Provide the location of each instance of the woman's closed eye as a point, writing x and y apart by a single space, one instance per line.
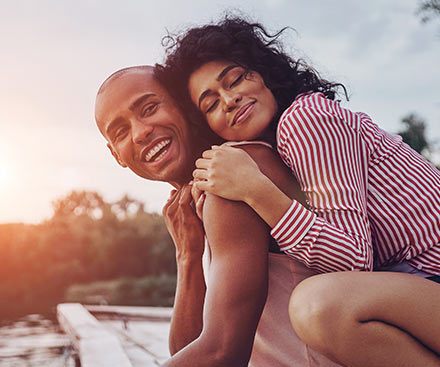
237 80
212 106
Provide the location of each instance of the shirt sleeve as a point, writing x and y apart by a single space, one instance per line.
330 160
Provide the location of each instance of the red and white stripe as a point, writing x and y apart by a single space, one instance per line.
365 188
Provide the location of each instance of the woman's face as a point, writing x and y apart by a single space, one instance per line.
235 102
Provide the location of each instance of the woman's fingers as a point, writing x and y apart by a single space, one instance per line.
200 174
202 185
208 154
202 163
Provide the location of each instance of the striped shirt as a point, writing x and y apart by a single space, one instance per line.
372 199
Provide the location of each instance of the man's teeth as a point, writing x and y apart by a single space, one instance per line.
161 154
154 150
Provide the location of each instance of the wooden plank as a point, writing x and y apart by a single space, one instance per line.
131 312
150 336
96 346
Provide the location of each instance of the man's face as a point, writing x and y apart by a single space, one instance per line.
144 128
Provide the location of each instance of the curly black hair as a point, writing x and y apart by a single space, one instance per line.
244 43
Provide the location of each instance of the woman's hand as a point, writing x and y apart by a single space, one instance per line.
227 172
185 228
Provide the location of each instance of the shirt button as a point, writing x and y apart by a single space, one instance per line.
420 267
408 256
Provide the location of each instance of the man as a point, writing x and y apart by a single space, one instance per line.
213 324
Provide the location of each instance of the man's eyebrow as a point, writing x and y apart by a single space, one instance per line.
219 78
112 125
141 100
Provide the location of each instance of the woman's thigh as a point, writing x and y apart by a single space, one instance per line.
324 303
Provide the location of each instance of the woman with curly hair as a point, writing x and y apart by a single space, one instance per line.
370 197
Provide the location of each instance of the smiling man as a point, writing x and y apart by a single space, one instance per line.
144 127
232 310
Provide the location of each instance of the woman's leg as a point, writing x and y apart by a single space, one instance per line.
369 319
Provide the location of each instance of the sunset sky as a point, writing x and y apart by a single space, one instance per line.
55 53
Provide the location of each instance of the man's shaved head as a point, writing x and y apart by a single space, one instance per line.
145 69
145 129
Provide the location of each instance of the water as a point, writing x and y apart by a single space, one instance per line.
35 341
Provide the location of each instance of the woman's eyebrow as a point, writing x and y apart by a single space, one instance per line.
203 95
225 71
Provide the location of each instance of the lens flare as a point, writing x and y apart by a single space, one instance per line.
4 176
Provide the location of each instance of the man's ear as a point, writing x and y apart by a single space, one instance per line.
116 156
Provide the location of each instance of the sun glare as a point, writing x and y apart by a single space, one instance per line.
4 176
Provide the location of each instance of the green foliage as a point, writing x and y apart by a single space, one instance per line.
428 9
414 133
145 291
86 240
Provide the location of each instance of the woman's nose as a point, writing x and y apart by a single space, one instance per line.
231 102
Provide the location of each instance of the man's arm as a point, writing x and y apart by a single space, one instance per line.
237 286
187 233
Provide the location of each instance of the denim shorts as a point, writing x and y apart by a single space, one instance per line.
435 278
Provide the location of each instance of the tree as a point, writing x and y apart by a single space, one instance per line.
87 240
414 133
428 9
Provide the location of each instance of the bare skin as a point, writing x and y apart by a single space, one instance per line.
369 319
348 340
230 296
233 303
213 325
214 174
327 311
188 234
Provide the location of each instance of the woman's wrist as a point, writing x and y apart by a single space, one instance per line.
258 188
268 201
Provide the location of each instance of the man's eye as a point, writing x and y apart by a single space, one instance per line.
212 106
237 80
149 109
121 132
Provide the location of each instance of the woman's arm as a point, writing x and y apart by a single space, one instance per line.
329 159
244 181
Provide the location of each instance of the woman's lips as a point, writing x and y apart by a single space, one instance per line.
243 113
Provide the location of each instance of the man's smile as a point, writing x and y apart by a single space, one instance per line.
156 151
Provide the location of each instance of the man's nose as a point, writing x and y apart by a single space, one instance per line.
140 131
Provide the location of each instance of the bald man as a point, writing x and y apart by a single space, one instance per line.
232 297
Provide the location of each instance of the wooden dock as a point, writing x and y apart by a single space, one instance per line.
119 336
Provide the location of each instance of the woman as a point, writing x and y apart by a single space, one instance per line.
241 81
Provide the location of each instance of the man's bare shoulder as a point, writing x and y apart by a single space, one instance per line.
229 224
273 167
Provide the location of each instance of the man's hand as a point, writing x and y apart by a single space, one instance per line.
188 236
183 224
199 197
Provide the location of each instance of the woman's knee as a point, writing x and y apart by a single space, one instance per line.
316 308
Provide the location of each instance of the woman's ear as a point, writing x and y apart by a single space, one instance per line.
116 156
